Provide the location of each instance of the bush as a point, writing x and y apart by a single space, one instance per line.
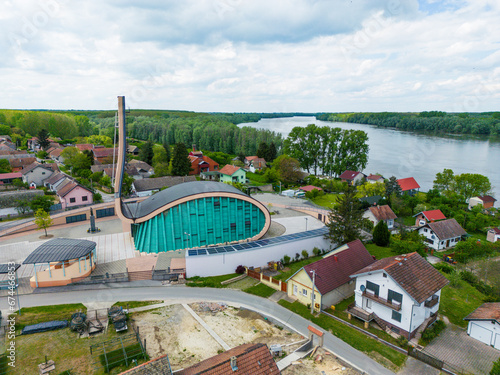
305 254
381 234
286 259
316 251
97 198
240 270
444 267
432 332
297 256
496 368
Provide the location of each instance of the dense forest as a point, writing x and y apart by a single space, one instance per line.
487 123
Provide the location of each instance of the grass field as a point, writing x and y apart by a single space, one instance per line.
209 282
327 200
260 290
133 304
379 252
294 267
34 315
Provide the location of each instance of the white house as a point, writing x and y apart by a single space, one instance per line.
380 213
37 173
400 293
493 235
352 177
442 234
484 324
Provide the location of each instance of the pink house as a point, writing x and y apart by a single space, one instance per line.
73 195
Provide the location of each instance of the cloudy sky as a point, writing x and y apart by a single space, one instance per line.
251 55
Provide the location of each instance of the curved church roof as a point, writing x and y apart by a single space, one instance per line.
167 196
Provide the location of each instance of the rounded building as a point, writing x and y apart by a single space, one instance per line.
195 214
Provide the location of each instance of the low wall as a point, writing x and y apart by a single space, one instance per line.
222 264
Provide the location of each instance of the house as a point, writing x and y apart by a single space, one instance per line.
103 155
84 146
37 173
201 163
110 169
18 164
231 173
248 159
493 235
484 324
400 293
332 280
257 164
442 234
408 185
307 188
8 178
487 201
55 155
352 177
74 195
428 217
143 168
380 213
148 186
246 359
54 180
133 150
210 176
373 178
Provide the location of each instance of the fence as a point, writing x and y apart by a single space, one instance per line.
426 358
268 280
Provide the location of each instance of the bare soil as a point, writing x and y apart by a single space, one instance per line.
323 363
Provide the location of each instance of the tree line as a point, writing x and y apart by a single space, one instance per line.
328 150
486 123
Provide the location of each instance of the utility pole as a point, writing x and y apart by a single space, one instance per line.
312 294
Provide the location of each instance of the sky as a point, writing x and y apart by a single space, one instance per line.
251 55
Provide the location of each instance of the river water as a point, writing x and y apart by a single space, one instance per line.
406 154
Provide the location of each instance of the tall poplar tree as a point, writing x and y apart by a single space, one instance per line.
345 219
181 166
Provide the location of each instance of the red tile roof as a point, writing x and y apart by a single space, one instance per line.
374 177
349 175
309 188
433 215
250 158
487 198
496 230
5 176
446 229
382 212
84 146
412 272
251 359
104 152
487 311
229 169
408 184
335 270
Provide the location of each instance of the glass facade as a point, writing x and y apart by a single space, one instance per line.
199 222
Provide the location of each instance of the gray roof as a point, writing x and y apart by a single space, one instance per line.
161 182
4 268
446 228
60 249
164 197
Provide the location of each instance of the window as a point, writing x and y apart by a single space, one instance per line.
394 297
43 172
304 292
85 198
75 218
425 230
384 274
373 287
396 316
428 240
72 200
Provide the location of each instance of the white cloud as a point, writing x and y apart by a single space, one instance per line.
235 55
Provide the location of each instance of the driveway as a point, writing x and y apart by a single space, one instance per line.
181 294
462 352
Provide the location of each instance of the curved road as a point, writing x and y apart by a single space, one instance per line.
181 294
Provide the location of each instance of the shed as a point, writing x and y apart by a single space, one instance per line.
484 324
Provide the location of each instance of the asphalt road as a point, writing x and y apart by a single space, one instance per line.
181 294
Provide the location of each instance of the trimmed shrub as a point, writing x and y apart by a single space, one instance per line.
381 234
432 332
444 267
240 270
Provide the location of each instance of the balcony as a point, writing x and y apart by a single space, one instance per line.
433 302
359 312
382 301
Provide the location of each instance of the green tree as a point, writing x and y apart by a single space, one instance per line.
97 198
127 185
181 166
5 129
42 154
496 368
99 140
444 180
369 189
263 150
272 153
146 154
162 169
43 139
22 206
68 155
168 152
43 220
411 242
5 166
106 181
160 155
392 187
43 202
288 168
381 234
469 185
345 219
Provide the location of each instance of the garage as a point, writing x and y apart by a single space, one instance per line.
497 341
480 333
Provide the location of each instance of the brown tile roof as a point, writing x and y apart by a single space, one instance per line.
446 229
412 272
382 212
9 151
84 146
487 311
54 178
34 165
374 177
69 187
310 188
140 164
61 185
251 359
20 163
408 184
104 152
495 230
229 169
56 152
487 198
160 182
335 270
250 158
349 175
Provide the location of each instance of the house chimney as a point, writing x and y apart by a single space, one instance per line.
335 257
194 147
234 366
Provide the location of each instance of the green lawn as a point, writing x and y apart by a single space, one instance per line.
260 290
388 357
134 304
409 220
378 251
457 303
40 314
210 282
294 267
326 200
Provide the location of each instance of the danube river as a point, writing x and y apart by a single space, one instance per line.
406 154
